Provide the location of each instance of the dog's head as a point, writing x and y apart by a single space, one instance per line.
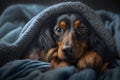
71 33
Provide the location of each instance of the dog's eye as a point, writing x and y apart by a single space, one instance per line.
59 31
61 28
82 29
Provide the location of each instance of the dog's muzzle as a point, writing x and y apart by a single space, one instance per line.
67 51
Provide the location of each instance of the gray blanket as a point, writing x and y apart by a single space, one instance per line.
19 25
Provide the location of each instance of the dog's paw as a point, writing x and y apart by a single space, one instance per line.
51 54
58 64
90 60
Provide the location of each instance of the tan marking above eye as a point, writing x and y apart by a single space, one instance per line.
63 24
76 23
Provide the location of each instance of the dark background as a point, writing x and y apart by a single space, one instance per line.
111 5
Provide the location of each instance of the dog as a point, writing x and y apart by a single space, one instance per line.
75 44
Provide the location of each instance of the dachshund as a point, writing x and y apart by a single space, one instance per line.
76 44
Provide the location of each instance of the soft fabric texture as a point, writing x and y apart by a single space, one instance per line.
16 34
12 23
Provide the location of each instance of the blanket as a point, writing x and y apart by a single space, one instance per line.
20 24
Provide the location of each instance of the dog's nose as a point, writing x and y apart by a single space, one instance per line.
67 50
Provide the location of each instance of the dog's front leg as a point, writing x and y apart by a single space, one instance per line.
58 64
90 60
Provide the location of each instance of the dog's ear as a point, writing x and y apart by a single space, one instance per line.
45 40
95 43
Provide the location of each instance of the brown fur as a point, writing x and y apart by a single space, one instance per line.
90 60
